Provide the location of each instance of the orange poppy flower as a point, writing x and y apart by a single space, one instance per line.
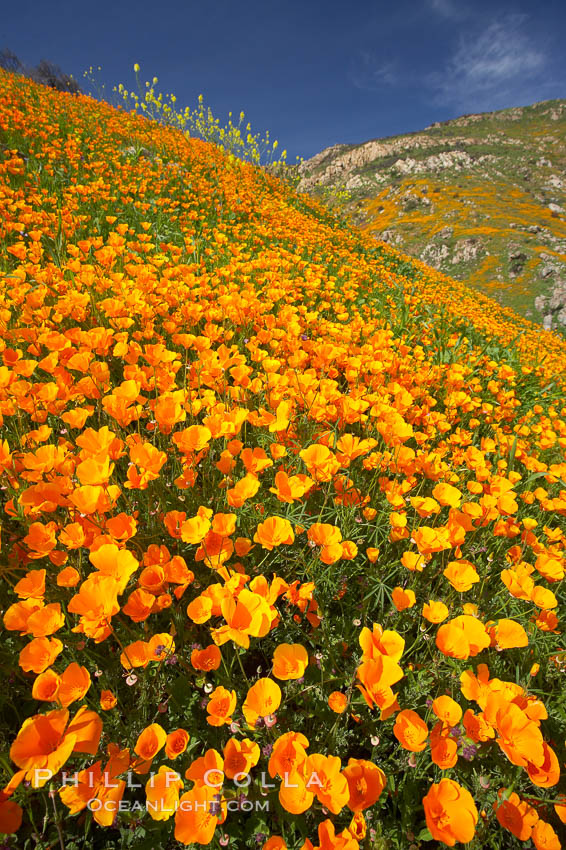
338 702
240 757
200 609
425 506
224 524
11 815
291 488
450 812
546 621
136 654
31 616
176 743
160 647
195 529
410 730
462 637
477 686
516 816
288 755
443 748
87 498
290 661
262 700
139 605
32 585
193 439
121 527
148 744
462 575
403 598
197 815
551 568
507 634
46 686
45 742
255 460
377 675
519 737
220 706
435 612
243 490
320 462
447 710
413 561
150 741
381 642
68 577
476 726
294 794
107 700
39 654
274 843
273 532
73 684
365 781
46 620
109 560
324 777
547 774
324 534
97 784
162 793
96 602
543 598
207 770
248 615
544 837
206 659
173 521
73 536
41 539
445 494
17 616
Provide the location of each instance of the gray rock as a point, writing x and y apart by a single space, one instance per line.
467 250
434 255
390 236
547 271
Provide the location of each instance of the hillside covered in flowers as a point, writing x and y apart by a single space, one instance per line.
282 515
480 197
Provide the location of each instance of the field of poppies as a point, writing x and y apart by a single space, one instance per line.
282 515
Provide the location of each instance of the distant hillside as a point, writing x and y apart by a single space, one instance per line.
482 198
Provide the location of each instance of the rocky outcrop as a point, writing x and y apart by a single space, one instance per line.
467 250
340 161
434 255
553 306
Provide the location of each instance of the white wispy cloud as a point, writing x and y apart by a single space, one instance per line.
369 73
454 10
487 69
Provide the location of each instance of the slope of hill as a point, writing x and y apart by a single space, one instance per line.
282 534
482 198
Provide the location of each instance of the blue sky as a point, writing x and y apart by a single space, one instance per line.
313 72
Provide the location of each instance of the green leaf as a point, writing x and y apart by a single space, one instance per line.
424 835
